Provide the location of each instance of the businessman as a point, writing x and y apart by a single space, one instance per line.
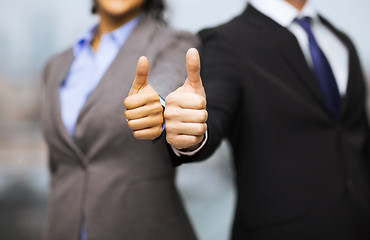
285 87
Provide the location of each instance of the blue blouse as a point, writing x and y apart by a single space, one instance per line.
88 68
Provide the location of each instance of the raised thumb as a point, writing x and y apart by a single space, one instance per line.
193 69
142 70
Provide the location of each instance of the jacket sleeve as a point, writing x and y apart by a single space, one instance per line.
221 79
168 65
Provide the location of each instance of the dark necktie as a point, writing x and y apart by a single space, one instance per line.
322 70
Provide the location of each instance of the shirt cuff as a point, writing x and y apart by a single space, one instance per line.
163 102
192 153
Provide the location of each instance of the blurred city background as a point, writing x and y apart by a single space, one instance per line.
32 31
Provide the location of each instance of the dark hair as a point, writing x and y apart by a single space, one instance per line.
152 7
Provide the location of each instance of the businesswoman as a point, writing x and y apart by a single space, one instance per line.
105 184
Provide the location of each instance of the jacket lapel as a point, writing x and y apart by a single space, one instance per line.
124 64
59 76
287 45
132 49
353 69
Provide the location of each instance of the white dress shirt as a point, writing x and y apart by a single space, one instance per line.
336 53
284 14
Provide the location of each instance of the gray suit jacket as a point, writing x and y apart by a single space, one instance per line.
122 188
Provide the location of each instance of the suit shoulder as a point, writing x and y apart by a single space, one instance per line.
168 35
228 30
54 62
339 33
335 29
224 39
58 57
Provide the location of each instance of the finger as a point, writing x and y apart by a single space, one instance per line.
142 70
183 141
194 129
149 133
187 100
186 115
146 122
139 100
193 69
146 110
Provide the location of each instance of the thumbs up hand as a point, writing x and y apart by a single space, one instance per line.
185 113
144 110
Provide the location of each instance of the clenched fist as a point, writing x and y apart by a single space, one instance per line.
185 113
144 110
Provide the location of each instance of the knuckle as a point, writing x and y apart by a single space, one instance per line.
158 131
126 103
170 99
168 114
180 144
199 102
202 102
193 140
136 134
159 119
198 139
205 115
130 124
157 107
169 128
201 129
127 115
169 139
141 135
153 96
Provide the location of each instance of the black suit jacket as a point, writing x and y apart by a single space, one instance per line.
299 173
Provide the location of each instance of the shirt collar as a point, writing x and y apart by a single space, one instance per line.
119 35
282 12
84 40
